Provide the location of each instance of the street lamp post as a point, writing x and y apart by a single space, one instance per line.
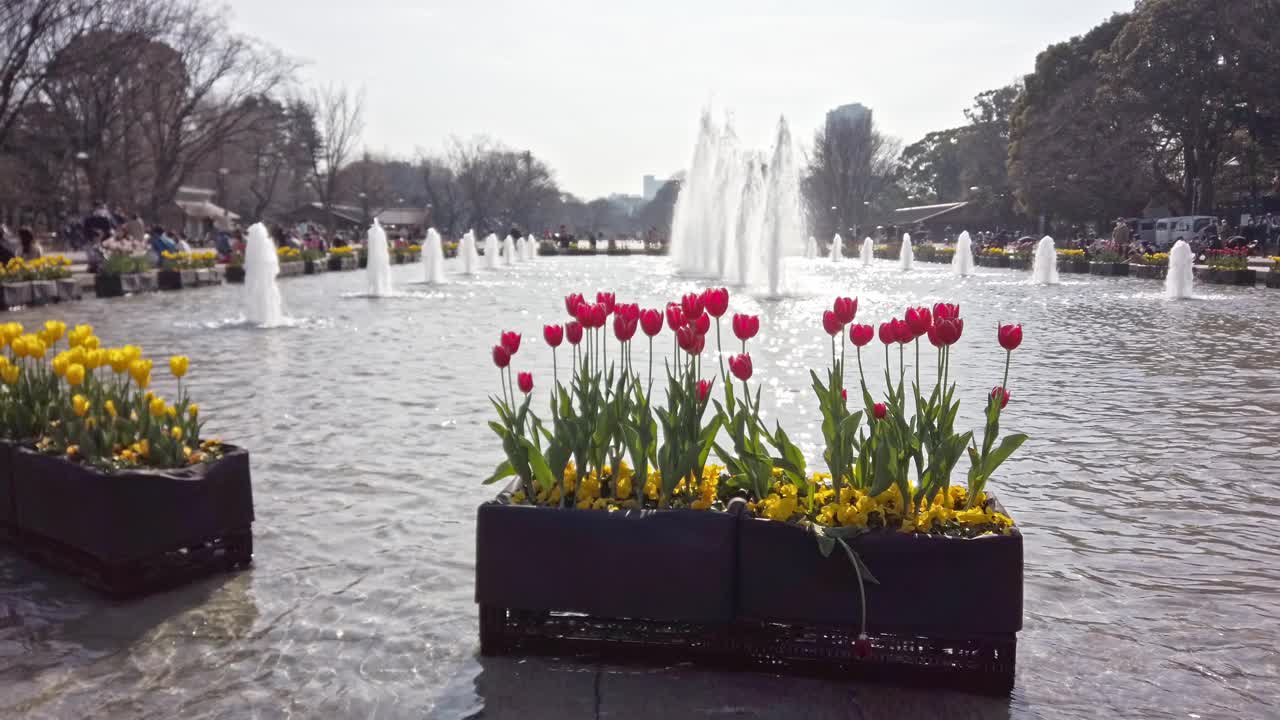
82 164
222 197
364 204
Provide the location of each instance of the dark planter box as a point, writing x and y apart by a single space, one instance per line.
364 261
137 531
343 262
311 267
674 566
7 515
177 279
1113 269
1247 278
1149 272
1020 263
656 251
234 274
995 261
1073 266
117 285
291 269
1273 279
15 294
68 289
44 292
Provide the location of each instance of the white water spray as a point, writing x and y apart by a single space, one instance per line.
837 248
811 248
379 261
868 252
962 262
467 253
433 258
491 259
1180 277
262 305
1044 266
907 257
509 251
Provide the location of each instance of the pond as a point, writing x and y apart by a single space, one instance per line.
1147 495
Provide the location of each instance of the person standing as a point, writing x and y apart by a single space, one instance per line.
30 248
1121 237
135 230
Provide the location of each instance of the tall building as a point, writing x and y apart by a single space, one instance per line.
851 114
651 187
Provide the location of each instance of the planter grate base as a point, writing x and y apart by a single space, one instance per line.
975 663
229 551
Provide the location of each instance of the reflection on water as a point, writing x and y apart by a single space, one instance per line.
1145 493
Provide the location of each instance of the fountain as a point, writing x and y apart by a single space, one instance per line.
509 251
906 257
737 217
811 248
837 248
529 247
379 267
1179 279
962 263
868 252
1044 267
467 253
262 304
491 259
433 258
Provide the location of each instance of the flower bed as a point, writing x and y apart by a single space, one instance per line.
116 285
712 558
292 268
342 258
104 478
992 257
1273 276
37 282
1218 276
314 261
1109 268
1020 261
931 253
1153 266
1072 260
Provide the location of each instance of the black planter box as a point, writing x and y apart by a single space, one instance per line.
117 285
1247 278
44 292
134 532
1110 269
1020 263
177 279
1073 266
364 261
7 514
311 267
672 565
234 274
995 261
342 262
1273 279
14 295
68 289
1149 272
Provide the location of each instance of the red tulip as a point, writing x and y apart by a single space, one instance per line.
599 315
699 344
862 647
831 323
553 334
582 313
623 329
934 339
946 310
902 332
716 301
886 334
1002 394
574 331
608 300
691 304
524 381
844 394
651 322
861 334
704 389
745 327
675 317
571 303
1010 337
880 410
501 357
702 323
949 330
740 366
919 320
846 309
511 342
687 338
630 311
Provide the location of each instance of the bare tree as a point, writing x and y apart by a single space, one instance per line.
444 196
31 32
336 118
851 165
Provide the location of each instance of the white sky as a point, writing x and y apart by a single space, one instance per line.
607 92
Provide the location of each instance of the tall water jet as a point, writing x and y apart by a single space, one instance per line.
1044 266
491 259
433 258
467 253
746 229
379 263
509 250
962 262
811 248
530 248
784 221
837 248
906 258
868 252
262 304
1180 278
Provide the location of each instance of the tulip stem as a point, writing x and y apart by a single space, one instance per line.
555 370
1008 355
720 354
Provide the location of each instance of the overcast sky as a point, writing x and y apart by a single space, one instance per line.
607 92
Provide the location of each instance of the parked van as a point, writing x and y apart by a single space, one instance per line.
1192 228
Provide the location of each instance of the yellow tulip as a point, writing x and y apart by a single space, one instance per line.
141 372
144 447
178 365
91 343
55 329
132 352
76 355
10 374
176 433
95 359
171 411
60 364
80 404
157 407
110 407
118 361
75 375
78 334
193 411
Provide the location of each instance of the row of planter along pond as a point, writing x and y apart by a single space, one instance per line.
1082 265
